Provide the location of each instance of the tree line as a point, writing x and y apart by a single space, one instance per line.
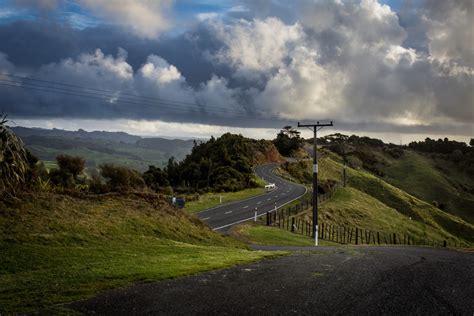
220 165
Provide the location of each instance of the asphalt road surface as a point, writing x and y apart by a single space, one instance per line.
329 281
227 215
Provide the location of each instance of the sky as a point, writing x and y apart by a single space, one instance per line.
396 70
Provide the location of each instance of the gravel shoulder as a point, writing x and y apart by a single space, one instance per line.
325 280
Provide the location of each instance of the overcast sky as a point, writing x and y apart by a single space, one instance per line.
397 70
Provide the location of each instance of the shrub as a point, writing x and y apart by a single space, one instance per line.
73 165
62 178
156 178
121 178
96 184
14 161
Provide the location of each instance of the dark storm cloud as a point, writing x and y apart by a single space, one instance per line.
355 62
32 44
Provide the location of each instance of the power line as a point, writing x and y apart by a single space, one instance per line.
103 90
169 104
40 88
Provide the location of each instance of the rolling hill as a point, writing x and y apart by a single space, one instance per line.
370 202
103 147
442 177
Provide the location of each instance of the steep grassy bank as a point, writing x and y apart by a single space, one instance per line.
422 177
371 203
57 248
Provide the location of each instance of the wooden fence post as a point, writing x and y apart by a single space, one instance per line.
293 224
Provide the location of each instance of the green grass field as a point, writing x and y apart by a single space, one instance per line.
57 249
263 235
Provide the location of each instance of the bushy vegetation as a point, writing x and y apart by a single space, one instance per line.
288 141
121 178
441 146
223 164
17 164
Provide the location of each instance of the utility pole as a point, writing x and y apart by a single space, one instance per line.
315 127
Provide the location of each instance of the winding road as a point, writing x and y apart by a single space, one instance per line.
227 215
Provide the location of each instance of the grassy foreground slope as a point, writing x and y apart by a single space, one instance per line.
371 203
56 249
271 236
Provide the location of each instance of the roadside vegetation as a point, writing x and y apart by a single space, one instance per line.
288 142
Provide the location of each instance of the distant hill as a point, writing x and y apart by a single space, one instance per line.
99 147
79 134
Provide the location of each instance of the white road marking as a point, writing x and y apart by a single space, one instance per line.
228 212
259 202
251 218
269 199
245 206
205 219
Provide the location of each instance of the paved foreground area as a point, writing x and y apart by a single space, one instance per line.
356 280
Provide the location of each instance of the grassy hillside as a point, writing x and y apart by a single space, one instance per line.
420 176
372 203
433 171
58 248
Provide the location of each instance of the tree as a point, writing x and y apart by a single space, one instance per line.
121 178
288 141
471 142
73 165
156 178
